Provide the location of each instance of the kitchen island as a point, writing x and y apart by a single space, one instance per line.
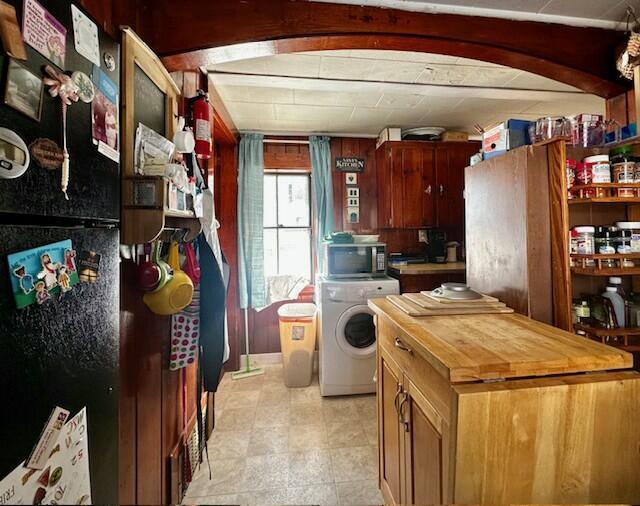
502 409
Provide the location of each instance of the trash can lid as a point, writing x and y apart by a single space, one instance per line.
297 310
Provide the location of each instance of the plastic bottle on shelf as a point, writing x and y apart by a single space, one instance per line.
616 281
611 293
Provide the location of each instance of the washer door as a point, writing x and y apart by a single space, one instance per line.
356 333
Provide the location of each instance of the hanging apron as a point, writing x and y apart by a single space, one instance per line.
213 293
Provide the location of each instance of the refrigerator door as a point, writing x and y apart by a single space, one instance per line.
94 183
62 353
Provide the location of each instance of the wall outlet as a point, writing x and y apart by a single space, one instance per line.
353 192
422 236
353 202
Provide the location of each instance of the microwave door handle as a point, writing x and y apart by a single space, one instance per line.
374 259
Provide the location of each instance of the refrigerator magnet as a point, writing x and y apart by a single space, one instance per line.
64 281
88 266
14 155
86 90
42 294
109 61
42 272
46 153
25 280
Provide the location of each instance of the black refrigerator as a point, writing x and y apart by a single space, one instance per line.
63 352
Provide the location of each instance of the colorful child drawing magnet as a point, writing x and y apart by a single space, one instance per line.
39 273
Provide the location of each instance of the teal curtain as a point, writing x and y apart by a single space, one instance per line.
250 221
320 152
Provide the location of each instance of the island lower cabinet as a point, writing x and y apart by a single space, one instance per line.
446 436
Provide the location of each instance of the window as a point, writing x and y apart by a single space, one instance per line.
287 225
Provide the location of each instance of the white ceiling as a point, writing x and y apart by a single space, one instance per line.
598 13
361 92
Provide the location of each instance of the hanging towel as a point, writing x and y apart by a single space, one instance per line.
250 222
320 153
185 334
213 293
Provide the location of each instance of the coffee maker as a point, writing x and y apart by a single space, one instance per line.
436 246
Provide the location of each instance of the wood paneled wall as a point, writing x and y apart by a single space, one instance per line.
226 198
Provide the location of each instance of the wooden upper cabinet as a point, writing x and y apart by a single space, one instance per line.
421 184
417 179
451 160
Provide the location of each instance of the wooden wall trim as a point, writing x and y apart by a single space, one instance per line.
578 56
283 156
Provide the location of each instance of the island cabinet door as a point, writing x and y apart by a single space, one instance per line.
389 430
423 429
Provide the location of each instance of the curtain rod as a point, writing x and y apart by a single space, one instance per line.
285 141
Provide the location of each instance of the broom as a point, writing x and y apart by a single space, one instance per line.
247 372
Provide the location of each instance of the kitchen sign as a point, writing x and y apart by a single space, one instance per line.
349 164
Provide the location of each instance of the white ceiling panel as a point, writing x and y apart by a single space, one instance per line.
397 101
257 94
361 114
597 13
312 112
330 98
356 92
247 110
592 9
527 80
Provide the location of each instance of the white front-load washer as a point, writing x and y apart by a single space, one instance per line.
347 334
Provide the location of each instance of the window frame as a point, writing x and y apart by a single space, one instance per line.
293 172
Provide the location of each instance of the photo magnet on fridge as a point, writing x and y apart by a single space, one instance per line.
39 273
88 266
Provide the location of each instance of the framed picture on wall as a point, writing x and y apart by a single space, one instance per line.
24 90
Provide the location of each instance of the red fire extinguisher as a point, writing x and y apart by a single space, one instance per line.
201 122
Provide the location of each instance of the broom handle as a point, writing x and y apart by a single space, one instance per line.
246 338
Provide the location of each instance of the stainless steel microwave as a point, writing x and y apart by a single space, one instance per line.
355 260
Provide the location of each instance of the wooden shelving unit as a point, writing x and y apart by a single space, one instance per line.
145 212
626 338
581 279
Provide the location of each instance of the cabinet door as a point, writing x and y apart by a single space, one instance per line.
450 164
418 204
385 196
423 448
389 432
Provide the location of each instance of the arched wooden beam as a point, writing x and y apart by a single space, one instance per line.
574 77
583 57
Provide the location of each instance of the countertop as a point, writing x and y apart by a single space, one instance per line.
428 268
498 346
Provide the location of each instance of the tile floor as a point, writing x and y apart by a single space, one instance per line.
279 445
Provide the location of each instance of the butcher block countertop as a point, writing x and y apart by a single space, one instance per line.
499 346
428 268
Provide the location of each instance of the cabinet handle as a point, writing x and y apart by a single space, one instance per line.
428 190
405 398
401 346
395 399
441 190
